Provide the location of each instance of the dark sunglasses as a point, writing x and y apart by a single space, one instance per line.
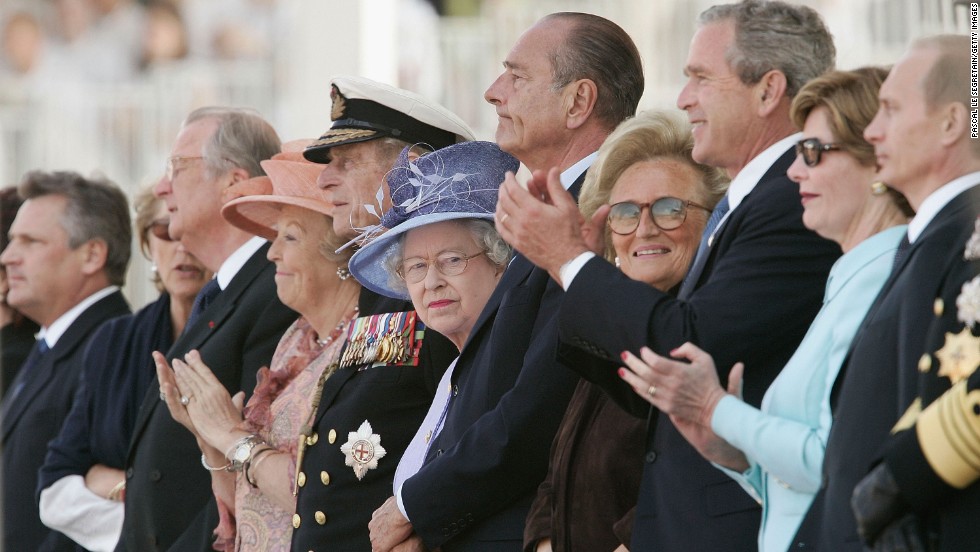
668 213
811 149
161 229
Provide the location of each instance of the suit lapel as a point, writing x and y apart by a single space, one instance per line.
206 325
693 280
42 373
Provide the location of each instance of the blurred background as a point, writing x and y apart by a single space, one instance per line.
102 85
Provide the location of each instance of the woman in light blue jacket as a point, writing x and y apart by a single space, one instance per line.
776 452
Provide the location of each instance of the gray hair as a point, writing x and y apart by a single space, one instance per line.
95 209
243 139
601 51
770 35
484 234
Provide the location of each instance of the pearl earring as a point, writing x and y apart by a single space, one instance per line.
153 267
618 263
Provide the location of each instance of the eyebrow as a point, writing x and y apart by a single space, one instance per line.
512 65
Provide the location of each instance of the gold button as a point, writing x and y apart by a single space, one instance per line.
320 517
296 521
332 436
925 362
301 479
325 478
428 435
938 306
312 439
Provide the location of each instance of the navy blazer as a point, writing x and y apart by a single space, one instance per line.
761 286
168 493
333 507
879 379
509 396
33 417
949 512
116 371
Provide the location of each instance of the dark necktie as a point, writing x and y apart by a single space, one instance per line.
901 253
203 299
695 271
26 370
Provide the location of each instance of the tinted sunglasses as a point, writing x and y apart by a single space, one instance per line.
811 150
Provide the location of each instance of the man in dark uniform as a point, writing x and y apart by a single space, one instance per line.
924 493
377 396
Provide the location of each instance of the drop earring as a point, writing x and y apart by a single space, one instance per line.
618 262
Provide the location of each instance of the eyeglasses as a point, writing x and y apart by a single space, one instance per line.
171 167
667 213
449 263
161 229
811 149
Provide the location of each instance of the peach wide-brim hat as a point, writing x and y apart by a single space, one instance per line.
293 182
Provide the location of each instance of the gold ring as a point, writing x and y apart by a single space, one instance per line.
652 390
185 400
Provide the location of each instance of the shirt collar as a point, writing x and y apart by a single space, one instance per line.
937 200
53 333
750 175
237 260
571 174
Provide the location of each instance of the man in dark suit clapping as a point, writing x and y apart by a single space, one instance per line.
68 252
169 503
756 282
566 84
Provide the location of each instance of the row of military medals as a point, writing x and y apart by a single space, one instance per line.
381 338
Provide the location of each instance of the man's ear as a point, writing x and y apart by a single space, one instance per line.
954 121
94 254
770 91
581 98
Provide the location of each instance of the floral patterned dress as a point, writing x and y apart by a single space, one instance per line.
281 404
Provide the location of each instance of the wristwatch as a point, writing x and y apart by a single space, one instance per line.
241 451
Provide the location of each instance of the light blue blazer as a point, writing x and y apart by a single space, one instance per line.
785 439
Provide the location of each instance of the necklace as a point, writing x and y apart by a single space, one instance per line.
336 331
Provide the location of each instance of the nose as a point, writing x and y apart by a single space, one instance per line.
273 254
162 187
433 278
328 178
686 97
491 95
873 132
646 226
798 170
7 256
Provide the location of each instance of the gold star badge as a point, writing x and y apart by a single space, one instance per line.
959 356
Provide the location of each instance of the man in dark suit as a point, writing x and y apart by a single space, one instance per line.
169 503
68 252
566 84
338 489
922 139
755 284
